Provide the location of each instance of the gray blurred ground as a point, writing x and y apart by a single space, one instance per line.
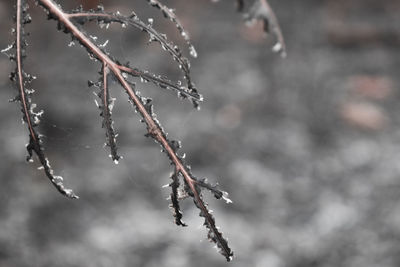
308 147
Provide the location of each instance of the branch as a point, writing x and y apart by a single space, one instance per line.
27 107
169 14
261 10
106 110
142 105
162 82
175 198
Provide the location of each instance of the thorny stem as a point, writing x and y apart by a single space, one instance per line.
155 131
34 144
20 72
153 128
106 114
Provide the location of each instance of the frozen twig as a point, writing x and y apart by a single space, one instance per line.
30 117
111 69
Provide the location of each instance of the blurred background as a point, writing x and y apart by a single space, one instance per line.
308 146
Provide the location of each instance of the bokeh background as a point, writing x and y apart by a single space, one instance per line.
308 146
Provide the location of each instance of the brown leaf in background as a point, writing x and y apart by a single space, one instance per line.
364 115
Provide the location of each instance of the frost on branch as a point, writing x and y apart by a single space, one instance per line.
192 186
169 14
175 184
106 106
184 183
22 81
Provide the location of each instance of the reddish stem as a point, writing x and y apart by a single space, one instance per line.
20 71
152 127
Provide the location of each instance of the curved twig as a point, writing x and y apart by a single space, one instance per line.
30 117
169 14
